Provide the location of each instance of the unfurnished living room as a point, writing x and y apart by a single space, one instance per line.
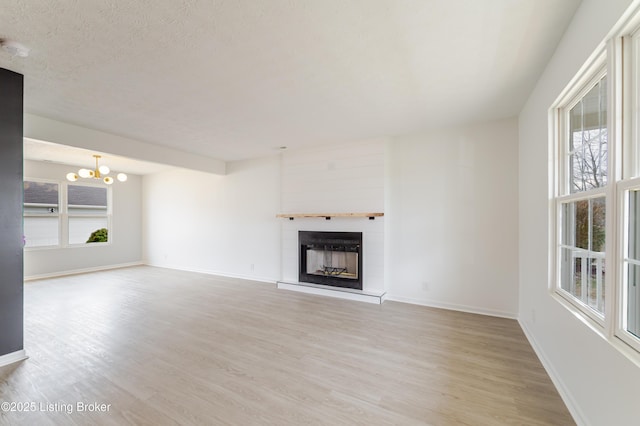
326 212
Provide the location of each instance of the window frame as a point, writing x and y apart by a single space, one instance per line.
64 215
559 113
58 214
621 331
627 45
68 215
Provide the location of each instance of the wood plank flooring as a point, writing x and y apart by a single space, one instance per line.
169 347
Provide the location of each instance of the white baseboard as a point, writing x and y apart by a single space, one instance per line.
453 307
13 357
572 406
81 271
357 295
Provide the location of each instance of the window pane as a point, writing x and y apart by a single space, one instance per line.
87 196
582 263
40 198
568 224
595 296
633 300
633 278
583 224
567 270
588 139
634 225
582 276
81 228
41 231
598 211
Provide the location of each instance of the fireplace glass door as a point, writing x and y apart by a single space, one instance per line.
332 261
331 258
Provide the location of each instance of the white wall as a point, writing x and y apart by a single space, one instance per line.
125 233
448 238
340 178
344 178
216 224
451 211
599 384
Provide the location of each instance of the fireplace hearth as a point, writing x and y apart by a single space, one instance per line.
331 258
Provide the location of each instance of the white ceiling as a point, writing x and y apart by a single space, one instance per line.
78 157
236 79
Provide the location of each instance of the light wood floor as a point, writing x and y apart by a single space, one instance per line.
171 347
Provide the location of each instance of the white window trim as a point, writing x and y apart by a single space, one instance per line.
63 215
590 74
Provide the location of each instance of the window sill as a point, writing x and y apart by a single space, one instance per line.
627 351
69 246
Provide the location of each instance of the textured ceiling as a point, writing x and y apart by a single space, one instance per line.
236 79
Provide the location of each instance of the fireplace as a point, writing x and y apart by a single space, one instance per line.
331 258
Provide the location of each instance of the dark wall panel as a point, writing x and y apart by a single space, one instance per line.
11 255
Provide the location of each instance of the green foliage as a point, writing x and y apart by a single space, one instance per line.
99 236
597 209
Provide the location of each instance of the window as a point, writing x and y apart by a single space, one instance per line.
582 196
61 214
596 189
628 326
87 214
41 214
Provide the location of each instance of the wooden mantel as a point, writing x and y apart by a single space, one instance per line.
328 216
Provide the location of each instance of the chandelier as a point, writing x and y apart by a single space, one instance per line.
99 172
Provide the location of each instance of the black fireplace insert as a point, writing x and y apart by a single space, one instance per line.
331 258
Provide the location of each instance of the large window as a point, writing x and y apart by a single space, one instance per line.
582 196
596 191
61 214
